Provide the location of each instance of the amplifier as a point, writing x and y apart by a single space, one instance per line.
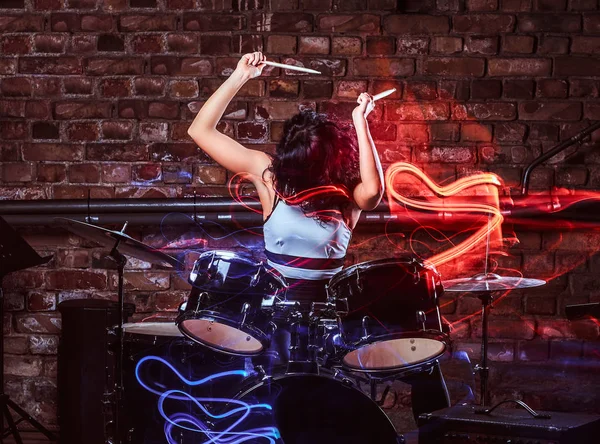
460 424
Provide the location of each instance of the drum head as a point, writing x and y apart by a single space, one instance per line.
218 335
394 353
320 410
168 329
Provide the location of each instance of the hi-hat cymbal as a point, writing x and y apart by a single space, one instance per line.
127 245
490 282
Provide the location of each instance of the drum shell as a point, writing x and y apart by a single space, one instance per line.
318 409
391 292
141 420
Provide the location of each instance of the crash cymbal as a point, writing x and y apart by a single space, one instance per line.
490 282
127 245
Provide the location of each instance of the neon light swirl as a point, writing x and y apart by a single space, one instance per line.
238 411
447 206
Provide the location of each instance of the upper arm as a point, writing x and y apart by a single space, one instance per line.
367 197
230 154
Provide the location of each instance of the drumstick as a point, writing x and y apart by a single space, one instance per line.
292 67
381 95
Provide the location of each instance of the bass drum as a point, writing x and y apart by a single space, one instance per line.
317 409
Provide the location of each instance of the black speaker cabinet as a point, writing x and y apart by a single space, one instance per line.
85 368
460 424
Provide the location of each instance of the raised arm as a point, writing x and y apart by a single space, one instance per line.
369 191
203 130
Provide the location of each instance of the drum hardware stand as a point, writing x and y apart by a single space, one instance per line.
15 255
121 261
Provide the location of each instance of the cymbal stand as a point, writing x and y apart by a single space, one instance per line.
121 261
486 301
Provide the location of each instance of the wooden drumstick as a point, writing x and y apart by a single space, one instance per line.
383 94
292 67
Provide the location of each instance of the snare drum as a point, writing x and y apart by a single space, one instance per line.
230 307
389 312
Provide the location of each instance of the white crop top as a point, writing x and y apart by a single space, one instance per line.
302 247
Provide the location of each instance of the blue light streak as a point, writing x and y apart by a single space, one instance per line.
238 412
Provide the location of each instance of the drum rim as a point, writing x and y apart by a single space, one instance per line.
257 334
324 373
408 259
436 335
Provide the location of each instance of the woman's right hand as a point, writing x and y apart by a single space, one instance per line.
365 106
250 65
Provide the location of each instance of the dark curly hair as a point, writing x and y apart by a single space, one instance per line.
316 151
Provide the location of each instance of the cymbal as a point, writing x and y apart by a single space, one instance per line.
127 245
490 282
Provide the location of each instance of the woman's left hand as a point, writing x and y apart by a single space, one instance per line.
365 106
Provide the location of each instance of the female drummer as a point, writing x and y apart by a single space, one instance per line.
312 191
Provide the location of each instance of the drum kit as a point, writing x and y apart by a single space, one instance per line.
206 377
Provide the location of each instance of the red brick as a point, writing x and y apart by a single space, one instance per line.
52 152
169 301
82 131
484 111
247 43
114 66
559 23
418 112
13 130
519 44
585 45
43 344
212 22
215 44
116 172
12 108
130 152
182 43
110 43
314 45
9 152
16 44
482 5
418 24
508 328
42 5
256 131
476 132
16 345
413 45
446 45
41 301
23 366
411 132
486 89
146 173
84 173
22 23
143 280
509 132
445 132
519 67
78 85
552 88
591 23
550 110
351 5
50 65
349 23
317 89
16 172
149 86
147 44
316 5
153 131
450 154
146 23
283 88
24 280
209 174
46 86
38 323
553 45
454 67
484 23
82 192
16 86
384 67
82 110
282 44
177 152
565 329
535 350
518 89
177 173
117 130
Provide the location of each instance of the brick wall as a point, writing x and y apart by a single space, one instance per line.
94 96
